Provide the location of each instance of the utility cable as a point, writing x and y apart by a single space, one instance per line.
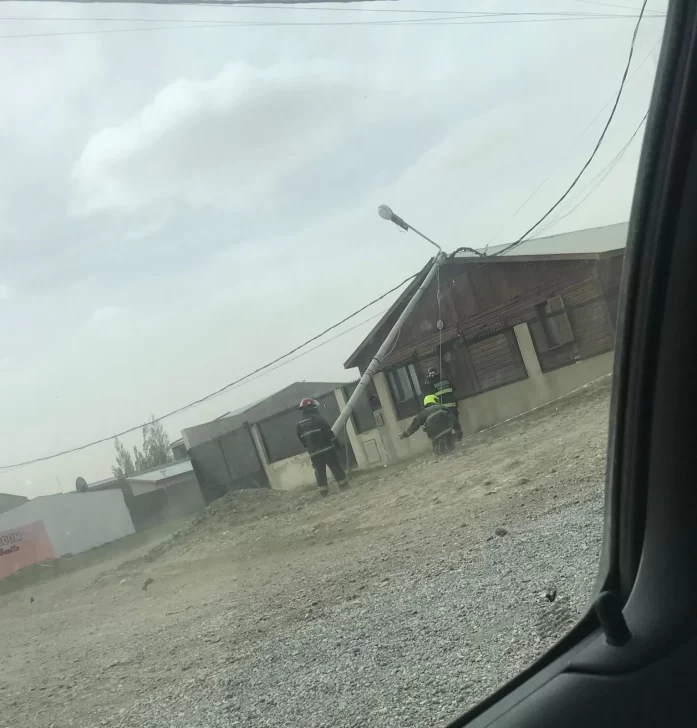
585 192
569 150
607 5
7 470
439 325
415 22
435 14
522 238
215 393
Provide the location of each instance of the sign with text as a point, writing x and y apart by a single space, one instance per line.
22 546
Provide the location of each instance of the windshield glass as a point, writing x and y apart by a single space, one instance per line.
308 315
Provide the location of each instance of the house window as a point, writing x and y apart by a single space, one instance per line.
406 390
555 322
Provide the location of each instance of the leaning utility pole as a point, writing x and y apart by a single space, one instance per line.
386 346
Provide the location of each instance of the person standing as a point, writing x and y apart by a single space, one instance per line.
438 423
321 445
443 390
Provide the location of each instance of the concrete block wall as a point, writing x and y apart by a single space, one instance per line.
498 405
75 522
476 413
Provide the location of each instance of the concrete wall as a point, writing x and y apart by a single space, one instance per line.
292 473
152 504
208 431
8 501
75 522
179 451
185 496
501 404
381 446
296 472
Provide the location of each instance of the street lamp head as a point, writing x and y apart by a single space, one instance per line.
385 212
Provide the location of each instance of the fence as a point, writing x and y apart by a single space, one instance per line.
279 435
230 462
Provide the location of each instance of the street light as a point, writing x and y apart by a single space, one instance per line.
386 213
388 344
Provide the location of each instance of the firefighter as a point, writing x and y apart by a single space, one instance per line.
444 392
438 423
321 444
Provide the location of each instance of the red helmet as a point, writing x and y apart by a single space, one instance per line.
308 404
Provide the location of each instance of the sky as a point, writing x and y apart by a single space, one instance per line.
179 207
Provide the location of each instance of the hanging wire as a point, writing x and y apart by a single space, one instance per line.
597 146
440 326
347 444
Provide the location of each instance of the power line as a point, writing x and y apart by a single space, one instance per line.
314 348
11 469
521 239
217 391
286 6
415 22
299 5
434 13
569 150
607 5
585 192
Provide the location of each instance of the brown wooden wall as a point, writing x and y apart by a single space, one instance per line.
481 300
610 275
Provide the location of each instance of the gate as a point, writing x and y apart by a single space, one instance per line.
278 432
230 462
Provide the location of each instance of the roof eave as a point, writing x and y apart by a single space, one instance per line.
538 257
351 362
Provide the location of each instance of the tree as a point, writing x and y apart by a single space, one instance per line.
155 444
124 462
155 451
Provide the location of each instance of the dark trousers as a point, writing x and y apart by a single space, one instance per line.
457 427
321 461
444 444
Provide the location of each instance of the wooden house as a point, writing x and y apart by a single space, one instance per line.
564 288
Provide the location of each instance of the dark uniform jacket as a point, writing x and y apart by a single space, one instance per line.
436 420
315 434
443 389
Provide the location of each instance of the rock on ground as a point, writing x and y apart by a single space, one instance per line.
399 603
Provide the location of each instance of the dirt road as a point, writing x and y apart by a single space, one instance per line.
395 603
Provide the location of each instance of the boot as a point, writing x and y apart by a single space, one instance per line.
324 492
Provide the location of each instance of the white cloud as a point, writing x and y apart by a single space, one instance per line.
259 176
5 292
230 140
106 315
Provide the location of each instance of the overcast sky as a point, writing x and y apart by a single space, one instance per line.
178 207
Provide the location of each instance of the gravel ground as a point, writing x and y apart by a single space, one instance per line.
400 603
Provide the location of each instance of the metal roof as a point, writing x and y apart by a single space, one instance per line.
285 399
587 243
578 242
224 416
164 471
104 484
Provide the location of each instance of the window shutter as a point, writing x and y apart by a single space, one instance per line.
558 322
